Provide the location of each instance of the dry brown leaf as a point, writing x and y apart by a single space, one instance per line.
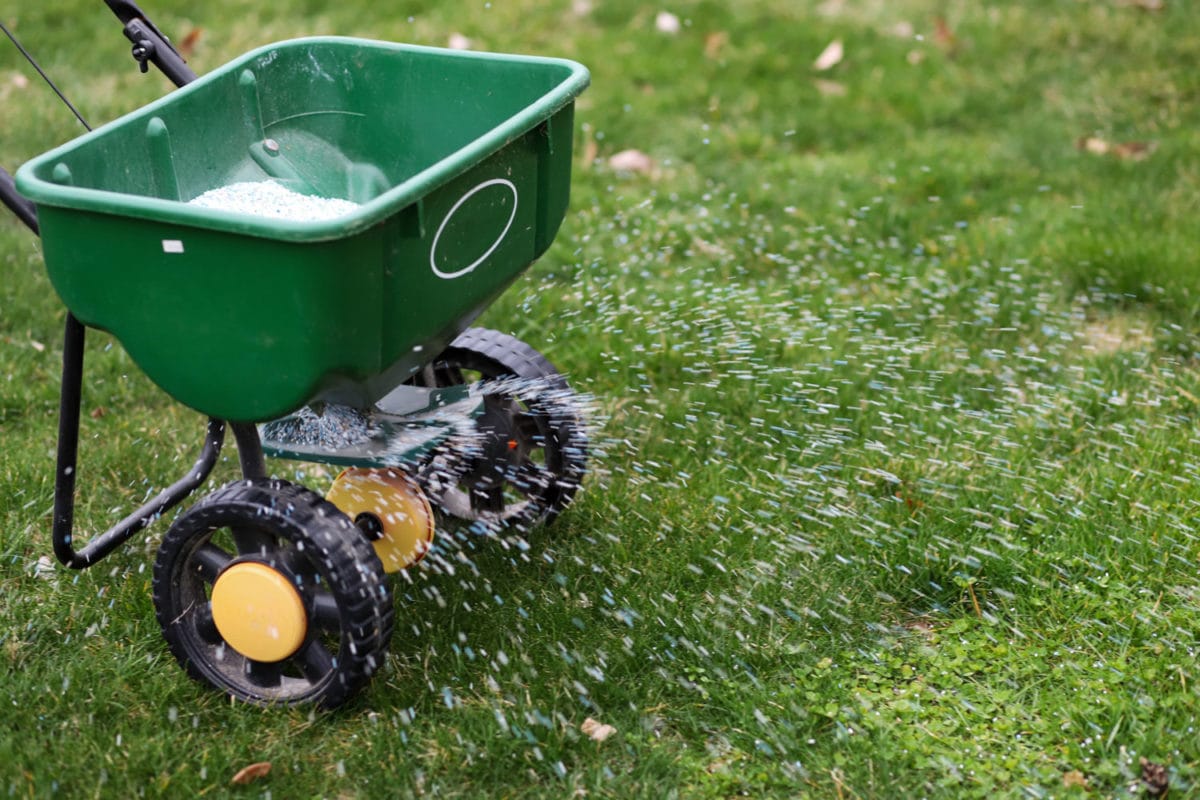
252 772
590 151
581 8
1074 778
830 57
714 43
631 161
943 37
903 29
830 88
187 45
1126 151
596 730
1155 777
1134 151
709 249
915 57
1145 5
36 345
719 766
921 627
98 412
1092 144
44 569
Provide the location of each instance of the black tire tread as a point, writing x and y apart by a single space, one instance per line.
511 356
348 563
519 358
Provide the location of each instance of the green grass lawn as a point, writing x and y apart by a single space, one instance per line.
895 366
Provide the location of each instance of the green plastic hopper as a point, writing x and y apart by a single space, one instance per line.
460 162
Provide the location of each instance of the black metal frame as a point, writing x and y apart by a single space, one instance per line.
16 203
149 46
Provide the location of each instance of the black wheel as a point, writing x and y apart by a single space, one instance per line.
529 452
267 592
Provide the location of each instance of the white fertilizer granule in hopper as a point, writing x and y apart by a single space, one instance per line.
269 199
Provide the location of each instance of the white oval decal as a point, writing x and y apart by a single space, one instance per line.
441 273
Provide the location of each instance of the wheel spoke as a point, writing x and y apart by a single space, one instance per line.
202 618
325 612
529 428
262 674
500 410
488 500
438 375
315 661
533 480
209 560
251 541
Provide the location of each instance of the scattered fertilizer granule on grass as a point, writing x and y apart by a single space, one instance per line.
270 199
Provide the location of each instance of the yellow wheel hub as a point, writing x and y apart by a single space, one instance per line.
402 512
259 612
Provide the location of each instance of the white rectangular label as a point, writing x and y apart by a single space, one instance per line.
172 246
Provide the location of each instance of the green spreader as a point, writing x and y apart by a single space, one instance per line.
461 164
339 337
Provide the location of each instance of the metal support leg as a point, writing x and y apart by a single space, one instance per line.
68 450
149 46
250 452
68 440
254 466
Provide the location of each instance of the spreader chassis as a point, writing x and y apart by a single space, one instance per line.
263 555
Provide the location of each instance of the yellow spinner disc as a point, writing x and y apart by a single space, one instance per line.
399 513
259 612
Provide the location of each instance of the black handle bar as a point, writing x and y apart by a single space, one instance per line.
16 202
150 46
